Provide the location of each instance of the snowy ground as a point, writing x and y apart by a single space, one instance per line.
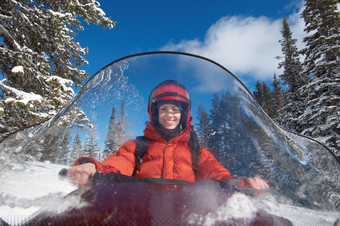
245 207
25 191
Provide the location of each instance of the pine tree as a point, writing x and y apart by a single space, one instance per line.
116 134
226 112
63 149
322 51
203 128
39 57
293 78
234 143
76 149
320 118
120 131
258 93
111 134
292 75
91 146
262 95
277 97
215 138
45 148
267 99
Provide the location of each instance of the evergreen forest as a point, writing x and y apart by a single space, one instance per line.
40 61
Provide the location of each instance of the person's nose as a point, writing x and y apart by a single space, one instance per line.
170 112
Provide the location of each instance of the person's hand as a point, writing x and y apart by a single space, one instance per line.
80 174
255 183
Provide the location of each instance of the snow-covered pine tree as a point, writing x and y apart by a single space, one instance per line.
321 116
39 57
48 146
215 138
91 146
292 75
120 128
111 134
63 149
76 150
234 132
45 148
292 78
203 126
226 112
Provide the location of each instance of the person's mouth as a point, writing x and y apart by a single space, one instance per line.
169 122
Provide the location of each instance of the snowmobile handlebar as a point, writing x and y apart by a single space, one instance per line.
228 184
98 178
62 172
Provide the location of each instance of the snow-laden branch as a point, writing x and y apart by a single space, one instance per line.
64 83
20 96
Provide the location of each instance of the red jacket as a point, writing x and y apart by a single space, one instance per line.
169 160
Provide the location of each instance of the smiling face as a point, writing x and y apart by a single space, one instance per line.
169 116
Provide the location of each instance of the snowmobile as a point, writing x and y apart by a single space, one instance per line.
115 199
304 176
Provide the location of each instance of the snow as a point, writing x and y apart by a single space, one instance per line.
22 96
65 83
29 188
241 206
18 69
238 206
299 215
101 12
26 97
60 15
35 186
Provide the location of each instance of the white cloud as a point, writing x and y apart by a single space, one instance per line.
247 46
297 26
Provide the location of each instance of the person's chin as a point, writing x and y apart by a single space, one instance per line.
169 126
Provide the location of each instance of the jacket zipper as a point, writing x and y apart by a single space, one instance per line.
162 174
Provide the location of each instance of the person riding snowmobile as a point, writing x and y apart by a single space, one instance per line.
172 151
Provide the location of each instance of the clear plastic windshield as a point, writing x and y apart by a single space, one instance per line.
112 108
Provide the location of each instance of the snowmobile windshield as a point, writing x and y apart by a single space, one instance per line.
111 108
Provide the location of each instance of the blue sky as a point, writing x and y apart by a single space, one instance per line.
241 35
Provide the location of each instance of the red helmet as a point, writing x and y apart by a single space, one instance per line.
169 91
